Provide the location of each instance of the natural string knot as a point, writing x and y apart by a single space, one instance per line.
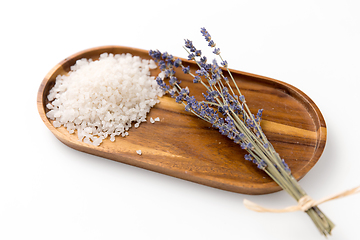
304 203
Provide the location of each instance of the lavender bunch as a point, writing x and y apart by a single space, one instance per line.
225 108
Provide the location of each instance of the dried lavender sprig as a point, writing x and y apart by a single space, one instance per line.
182 96
265 157
223 129
247 114
191 57
212 44
193 49
326 229
201 66
225 64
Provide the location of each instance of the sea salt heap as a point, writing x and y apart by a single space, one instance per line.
101 98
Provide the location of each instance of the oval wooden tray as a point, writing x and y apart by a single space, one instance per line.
186 147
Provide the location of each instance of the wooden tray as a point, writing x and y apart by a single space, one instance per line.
186 147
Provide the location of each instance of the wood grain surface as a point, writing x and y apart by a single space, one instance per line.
183 146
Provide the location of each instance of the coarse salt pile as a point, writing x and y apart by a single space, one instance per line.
102 98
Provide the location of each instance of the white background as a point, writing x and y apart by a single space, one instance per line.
50 191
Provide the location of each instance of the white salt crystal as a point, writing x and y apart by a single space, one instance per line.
157 119
138 152
97 141
49 106
56 124
152 64
101 98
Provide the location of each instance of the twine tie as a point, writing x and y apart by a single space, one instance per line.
304 203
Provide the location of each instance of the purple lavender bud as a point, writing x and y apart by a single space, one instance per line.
177 62
186 70
216 51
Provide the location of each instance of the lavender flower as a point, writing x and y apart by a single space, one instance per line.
188 44
216 51
156 55
242 98
196 79
248 157
224 63
211 43
177 62
205 34
203 60
172 81
191 56
186 70
201 72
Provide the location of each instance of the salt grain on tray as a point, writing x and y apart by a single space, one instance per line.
101 98
154 120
